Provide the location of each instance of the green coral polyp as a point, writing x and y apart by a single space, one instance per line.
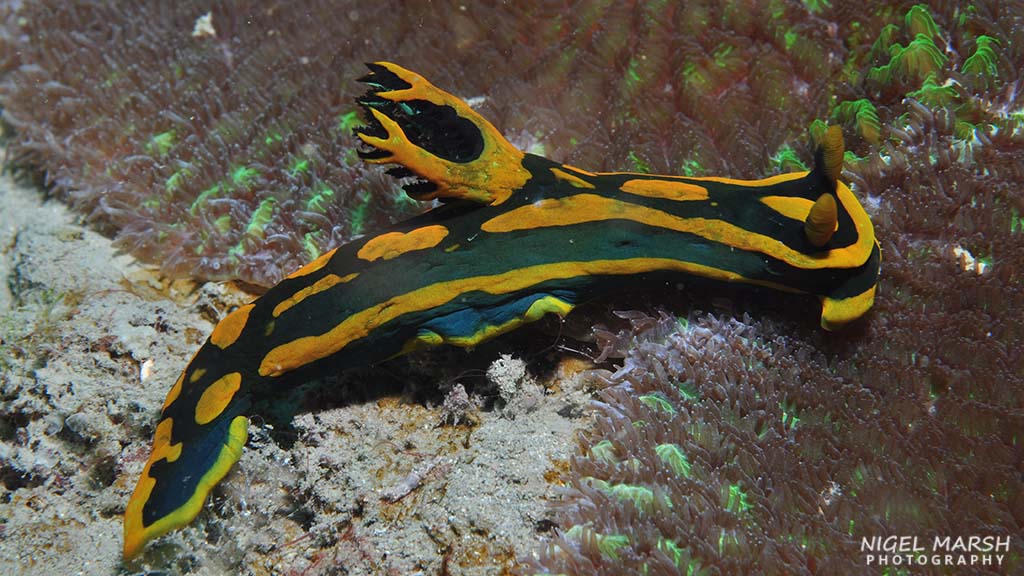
223 224
347 122
299 167
310 243
243 176
933 94
675 458
736 499
604 451
918 20
787 160
319 201
863 115
983 61
260 218
638 163
886 39
641 496
789 415
915 61
689 391
658 404
608 544
161 144
203 197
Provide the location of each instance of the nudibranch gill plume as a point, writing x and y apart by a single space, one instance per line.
516 236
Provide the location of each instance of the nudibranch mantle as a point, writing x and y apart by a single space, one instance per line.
517 236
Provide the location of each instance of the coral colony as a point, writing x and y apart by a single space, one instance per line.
724 442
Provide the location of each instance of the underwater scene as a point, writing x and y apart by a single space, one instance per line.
536 288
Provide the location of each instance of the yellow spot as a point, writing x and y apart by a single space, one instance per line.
216 397
315 288
452 248
574 181
174 393
304 350
196 375
230 328
836 313
394 244
269 328
822 221
592 208
136 534
788 206
314 265
668 189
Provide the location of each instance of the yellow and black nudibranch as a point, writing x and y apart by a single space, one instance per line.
517 236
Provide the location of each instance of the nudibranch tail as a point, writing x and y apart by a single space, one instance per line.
202 429
517 237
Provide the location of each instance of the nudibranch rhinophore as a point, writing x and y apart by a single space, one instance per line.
516 236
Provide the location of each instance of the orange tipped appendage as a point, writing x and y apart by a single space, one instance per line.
832 149
822 221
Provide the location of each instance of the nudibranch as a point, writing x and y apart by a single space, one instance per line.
515 236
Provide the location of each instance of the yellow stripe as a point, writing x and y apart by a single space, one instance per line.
574 181
216 397
583 208
578 170
317 287
313 266
394 244
769 181
304 350
230 328
174 393
778 178
665 189
176 390
836 313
